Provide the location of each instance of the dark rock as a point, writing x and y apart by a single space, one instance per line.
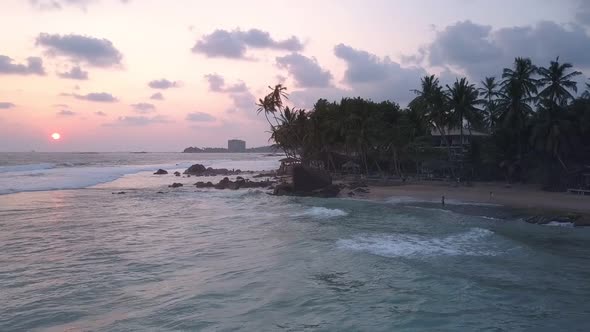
545 219
361 191
177 173
160 192
119 193
161 172
306 179
201 184
196 169
283 189
175 185
265 175
223 184
200 170
327 191
233 185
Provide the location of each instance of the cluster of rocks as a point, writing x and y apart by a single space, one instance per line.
308 182
200 170
357 188
239 183
574 220
164 172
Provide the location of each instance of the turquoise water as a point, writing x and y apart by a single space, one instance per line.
188 259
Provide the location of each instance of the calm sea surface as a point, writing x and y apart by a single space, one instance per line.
76 257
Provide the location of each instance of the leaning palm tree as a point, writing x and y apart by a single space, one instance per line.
272 104
462 99
489 92
556 82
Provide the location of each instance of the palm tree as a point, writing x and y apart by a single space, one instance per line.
430 101
273 104
552 132
556 82
489 92
586 93
462 99
521 77
518 90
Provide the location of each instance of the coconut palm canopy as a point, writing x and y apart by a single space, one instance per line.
529 117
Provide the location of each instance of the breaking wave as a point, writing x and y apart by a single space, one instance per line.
468 243
322 213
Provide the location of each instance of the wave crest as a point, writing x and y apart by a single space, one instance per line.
407 245
322 213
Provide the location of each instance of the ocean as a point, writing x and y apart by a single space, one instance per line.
77 256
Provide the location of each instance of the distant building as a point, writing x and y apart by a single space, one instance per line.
236 145
453 136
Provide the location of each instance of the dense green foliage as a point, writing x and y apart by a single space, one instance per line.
538 130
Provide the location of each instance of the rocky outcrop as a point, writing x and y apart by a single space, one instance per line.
195 169
200 170
175 185
239 183
266 175
328 191
201 184
161 172
176 173
306 180
283 189
575 220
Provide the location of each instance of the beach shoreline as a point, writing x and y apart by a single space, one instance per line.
522 197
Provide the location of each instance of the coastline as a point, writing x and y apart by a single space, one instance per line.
527 198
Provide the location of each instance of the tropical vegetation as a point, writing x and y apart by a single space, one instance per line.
533 127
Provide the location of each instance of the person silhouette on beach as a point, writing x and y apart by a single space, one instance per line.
443 200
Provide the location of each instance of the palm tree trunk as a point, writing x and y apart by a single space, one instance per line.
448 145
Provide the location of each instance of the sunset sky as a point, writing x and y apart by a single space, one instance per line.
155 75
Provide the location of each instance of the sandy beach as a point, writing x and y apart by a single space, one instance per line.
519 196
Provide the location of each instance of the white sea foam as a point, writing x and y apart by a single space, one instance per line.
560 224
65 177
468 243
50 176
322 213
26 168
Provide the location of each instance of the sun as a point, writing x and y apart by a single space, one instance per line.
55 136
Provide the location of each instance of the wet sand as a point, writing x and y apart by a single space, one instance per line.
528 197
